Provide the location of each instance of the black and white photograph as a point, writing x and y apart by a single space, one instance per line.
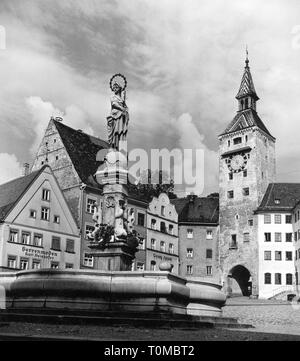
149 173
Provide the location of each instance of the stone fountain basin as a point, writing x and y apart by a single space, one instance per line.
101 291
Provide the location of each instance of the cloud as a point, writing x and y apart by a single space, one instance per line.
41 112
206 167
10 167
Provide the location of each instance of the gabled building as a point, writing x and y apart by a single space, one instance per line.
162 234
198 221
277 238
37 228
72 155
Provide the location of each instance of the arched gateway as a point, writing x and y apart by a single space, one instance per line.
239 281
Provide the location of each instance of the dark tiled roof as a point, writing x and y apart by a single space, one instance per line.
82 149
198 210
287 194
12 191
246 119
247 85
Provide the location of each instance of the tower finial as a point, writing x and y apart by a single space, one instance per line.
247 59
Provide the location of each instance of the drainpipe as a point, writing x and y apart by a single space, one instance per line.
81 225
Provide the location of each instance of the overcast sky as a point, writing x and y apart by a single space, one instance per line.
183 61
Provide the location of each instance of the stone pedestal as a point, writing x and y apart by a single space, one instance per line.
116 244
116 256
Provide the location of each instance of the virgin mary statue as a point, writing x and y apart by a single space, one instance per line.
117 122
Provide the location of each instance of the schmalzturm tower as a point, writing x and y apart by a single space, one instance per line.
247 166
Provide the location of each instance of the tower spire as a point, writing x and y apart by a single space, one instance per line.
246 95
247 57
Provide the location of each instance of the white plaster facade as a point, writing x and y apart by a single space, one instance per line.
282 267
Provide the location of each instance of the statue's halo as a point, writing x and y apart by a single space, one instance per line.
120 80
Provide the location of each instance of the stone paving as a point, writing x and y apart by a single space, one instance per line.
265 315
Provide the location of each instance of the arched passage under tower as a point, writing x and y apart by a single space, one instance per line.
239 281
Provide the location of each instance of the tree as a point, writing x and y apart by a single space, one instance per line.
151 184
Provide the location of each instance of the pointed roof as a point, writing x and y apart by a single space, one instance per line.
12 191
193 209
82 149
246 119
247 85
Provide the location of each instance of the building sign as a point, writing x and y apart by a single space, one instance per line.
38 253
162 258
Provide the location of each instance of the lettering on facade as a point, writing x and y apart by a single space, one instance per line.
165 258
38 253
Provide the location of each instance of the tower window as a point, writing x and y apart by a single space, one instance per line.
246 138
233 243
237 140
230 194
230 175
246 191
246 103
245 173
228 143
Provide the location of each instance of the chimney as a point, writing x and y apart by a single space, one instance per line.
79 130
25 169
59 119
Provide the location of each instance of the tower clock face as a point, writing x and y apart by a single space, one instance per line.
237 162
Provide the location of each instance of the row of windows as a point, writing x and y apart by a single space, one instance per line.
37 240
246 192
190 233
162 227
190 253
91 204
190 270
277 218
162 246
24 263
45 215
288 279
278 255
278 237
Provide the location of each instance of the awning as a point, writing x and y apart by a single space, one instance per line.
238 150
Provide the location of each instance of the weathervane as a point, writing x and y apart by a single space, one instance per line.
117 121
